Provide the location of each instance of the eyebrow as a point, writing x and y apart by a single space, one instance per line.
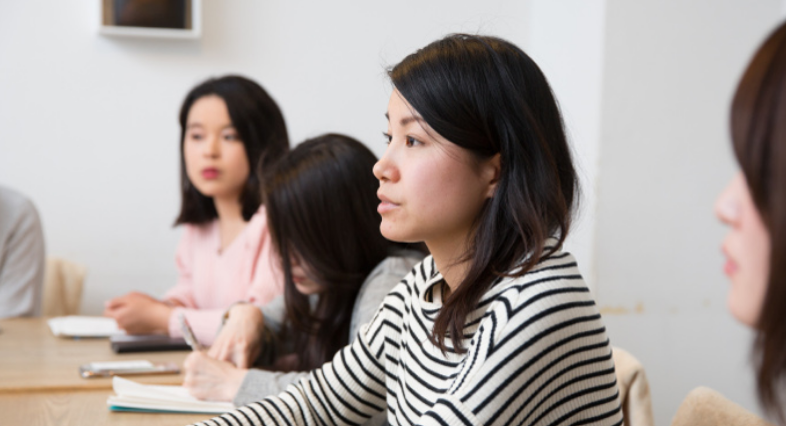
406 120
228 126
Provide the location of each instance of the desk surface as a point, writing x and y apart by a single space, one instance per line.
79 408
33 360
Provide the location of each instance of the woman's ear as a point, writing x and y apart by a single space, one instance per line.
490 173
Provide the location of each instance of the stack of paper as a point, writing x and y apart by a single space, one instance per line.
133 396
79 326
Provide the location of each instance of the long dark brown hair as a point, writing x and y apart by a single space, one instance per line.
758 131
260 126
321 207
487 96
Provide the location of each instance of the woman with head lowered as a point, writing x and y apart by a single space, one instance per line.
497 326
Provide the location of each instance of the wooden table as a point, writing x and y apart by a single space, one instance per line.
32 359
84 407
40 382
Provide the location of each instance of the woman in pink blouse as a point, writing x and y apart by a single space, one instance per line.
230 128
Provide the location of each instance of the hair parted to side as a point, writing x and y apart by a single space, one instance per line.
487 96
321 207
758 133
260 126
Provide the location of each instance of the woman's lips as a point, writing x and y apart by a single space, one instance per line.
729 268
385 207
385 204
210 173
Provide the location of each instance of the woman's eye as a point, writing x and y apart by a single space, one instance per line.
231 137
413 142
388 138
195 136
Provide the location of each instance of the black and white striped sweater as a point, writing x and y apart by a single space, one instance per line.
537 354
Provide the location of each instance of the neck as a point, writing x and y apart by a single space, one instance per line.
447 256
229 209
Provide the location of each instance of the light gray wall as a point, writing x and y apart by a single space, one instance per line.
670 70
88 124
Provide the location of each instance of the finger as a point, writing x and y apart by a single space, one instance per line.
215 348
113 303
224 353
241 360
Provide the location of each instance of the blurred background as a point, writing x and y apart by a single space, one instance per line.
88 130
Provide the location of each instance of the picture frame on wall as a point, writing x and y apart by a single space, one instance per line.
151 18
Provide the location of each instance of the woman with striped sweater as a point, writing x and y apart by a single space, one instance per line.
496 327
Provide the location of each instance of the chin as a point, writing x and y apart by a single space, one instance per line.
740 312
394 236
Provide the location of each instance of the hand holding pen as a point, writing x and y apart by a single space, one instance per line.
188 333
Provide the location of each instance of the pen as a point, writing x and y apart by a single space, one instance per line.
188 334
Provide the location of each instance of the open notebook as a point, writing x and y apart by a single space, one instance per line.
133 396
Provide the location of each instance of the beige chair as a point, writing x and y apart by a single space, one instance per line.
634 389
63 281
705 407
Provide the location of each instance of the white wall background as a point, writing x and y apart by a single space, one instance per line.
670 70
88 130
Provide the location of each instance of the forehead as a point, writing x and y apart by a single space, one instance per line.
400 112
210 108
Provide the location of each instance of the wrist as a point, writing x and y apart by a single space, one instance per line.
236 379
162 321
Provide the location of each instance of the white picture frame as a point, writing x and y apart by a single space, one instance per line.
192 19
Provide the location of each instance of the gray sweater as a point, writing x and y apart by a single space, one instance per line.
21 256
258 383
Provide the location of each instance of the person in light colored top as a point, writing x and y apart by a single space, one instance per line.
321 204
754 207
230 130
21 256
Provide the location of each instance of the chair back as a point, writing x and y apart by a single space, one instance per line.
705 407
634 389
63 282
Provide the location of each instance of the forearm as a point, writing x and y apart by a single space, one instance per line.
350 389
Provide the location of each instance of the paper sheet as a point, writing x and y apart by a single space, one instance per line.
84 326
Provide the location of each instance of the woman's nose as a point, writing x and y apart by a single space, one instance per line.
212 148
727 207
385 169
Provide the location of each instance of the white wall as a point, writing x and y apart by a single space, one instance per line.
670 70
88 123
566 36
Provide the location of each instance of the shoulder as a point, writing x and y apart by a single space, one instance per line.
198 235
17 210
259 220
399 264
553 292
391 271
13 202
256 233
558 272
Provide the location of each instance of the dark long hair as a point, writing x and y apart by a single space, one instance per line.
259 124
758 132
487 96
321 207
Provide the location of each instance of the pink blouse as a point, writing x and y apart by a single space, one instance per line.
211 280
